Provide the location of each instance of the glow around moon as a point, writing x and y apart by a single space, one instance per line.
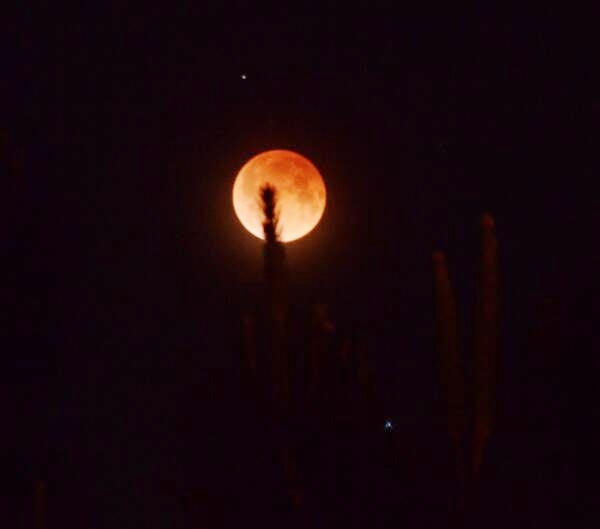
300 193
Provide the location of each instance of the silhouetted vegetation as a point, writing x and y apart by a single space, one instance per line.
325 386
311 391
469 420
331 389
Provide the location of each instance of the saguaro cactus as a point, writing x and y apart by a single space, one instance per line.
485 341
336 388
485 345
451 371
275 274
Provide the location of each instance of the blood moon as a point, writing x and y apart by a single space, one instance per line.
299 187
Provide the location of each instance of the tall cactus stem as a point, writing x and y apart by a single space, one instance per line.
485 342
450 367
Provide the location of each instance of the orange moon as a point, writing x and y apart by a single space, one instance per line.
299 187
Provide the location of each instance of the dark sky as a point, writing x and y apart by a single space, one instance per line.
129 270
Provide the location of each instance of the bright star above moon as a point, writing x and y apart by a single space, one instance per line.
299 187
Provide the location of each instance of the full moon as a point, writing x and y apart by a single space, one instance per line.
299 187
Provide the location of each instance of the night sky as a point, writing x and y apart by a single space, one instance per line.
122 129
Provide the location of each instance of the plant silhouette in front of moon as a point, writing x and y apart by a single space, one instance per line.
329 385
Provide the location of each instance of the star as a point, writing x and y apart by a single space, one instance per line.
244 76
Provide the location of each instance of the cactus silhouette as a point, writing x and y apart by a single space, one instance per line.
333 371
338 382
469 422
485 342
276 284
451 370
